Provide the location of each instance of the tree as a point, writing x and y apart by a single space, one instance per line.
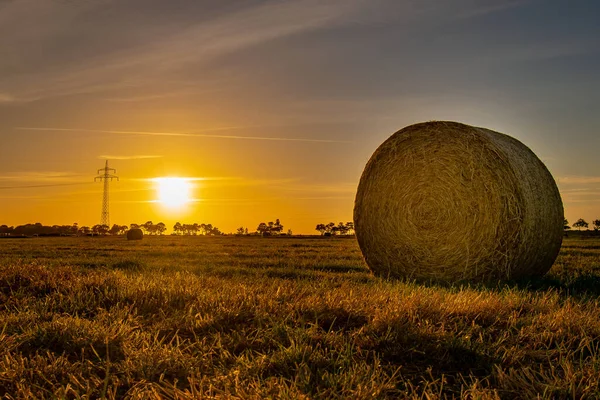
596 223
321 228
277 227
350 228
262 228
240 230
161 228
115 230
566 226
580 223
148 227
177 228
100 229
341 228
329 227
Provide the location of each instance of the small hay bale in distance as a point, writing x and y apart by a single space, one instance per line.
448 202
135 234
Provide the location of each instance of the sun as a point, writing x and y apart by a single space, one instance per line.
173 192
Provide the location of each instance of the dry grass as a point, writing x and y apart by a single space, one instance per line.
450 202
177 317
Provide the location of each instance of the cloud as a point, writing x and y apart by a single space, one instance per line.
325 188
193 34
39 176
578 180
6 98
186 134
492 7
40 179
44 185
134 157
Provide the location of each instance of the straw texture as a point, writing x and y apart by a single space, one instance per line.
449 202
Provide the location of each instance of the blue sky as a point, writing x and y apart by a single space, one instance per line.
337 77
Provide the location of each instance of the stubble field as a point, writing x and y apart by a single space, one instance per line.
201 317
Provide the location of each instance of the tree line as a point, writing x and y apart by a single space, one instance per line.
582 223
333 229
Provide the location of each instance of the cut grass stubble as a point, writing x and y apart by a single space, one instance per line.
188 317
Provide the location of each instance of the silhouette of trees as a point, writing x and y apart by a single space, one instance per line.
118 229
333 229
596 223
580 223
99 229
161 228
177 228
270 228
193 229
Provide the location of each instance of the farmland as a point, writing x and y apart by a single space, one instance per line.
187 317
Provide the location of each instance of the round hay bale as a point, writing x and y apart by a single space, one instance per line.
135 234
444 201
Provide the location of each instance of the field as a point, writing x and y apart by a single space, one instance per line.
191 317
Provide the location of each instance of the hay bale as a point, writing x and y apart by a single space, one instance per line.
449 202
135 234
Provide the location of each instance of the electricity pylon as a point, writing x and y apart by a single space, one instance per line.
105 175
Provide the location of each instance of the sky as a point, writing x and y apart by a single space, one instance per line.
274 107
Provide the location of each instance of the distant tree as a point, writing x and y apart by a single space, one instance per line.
134 226
321 228
277 227
215 231
115 230
240 230
329 227
262 228
177 228
148 227
596 223
566 226
289 232
580 223
161 228
350 228
100 229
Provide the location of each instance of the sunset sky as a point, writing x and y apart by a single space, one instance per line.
272 108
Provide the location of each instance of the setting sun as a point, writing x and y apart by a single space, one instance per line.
173 192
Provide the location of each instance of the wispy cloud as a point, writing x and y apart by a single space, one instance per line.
6 98
133 157
578 180
188 38
185 134
40 179
495 6
324 188
44 185
39 176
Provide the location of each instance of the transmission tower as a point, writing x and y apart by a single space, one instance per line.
105 175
